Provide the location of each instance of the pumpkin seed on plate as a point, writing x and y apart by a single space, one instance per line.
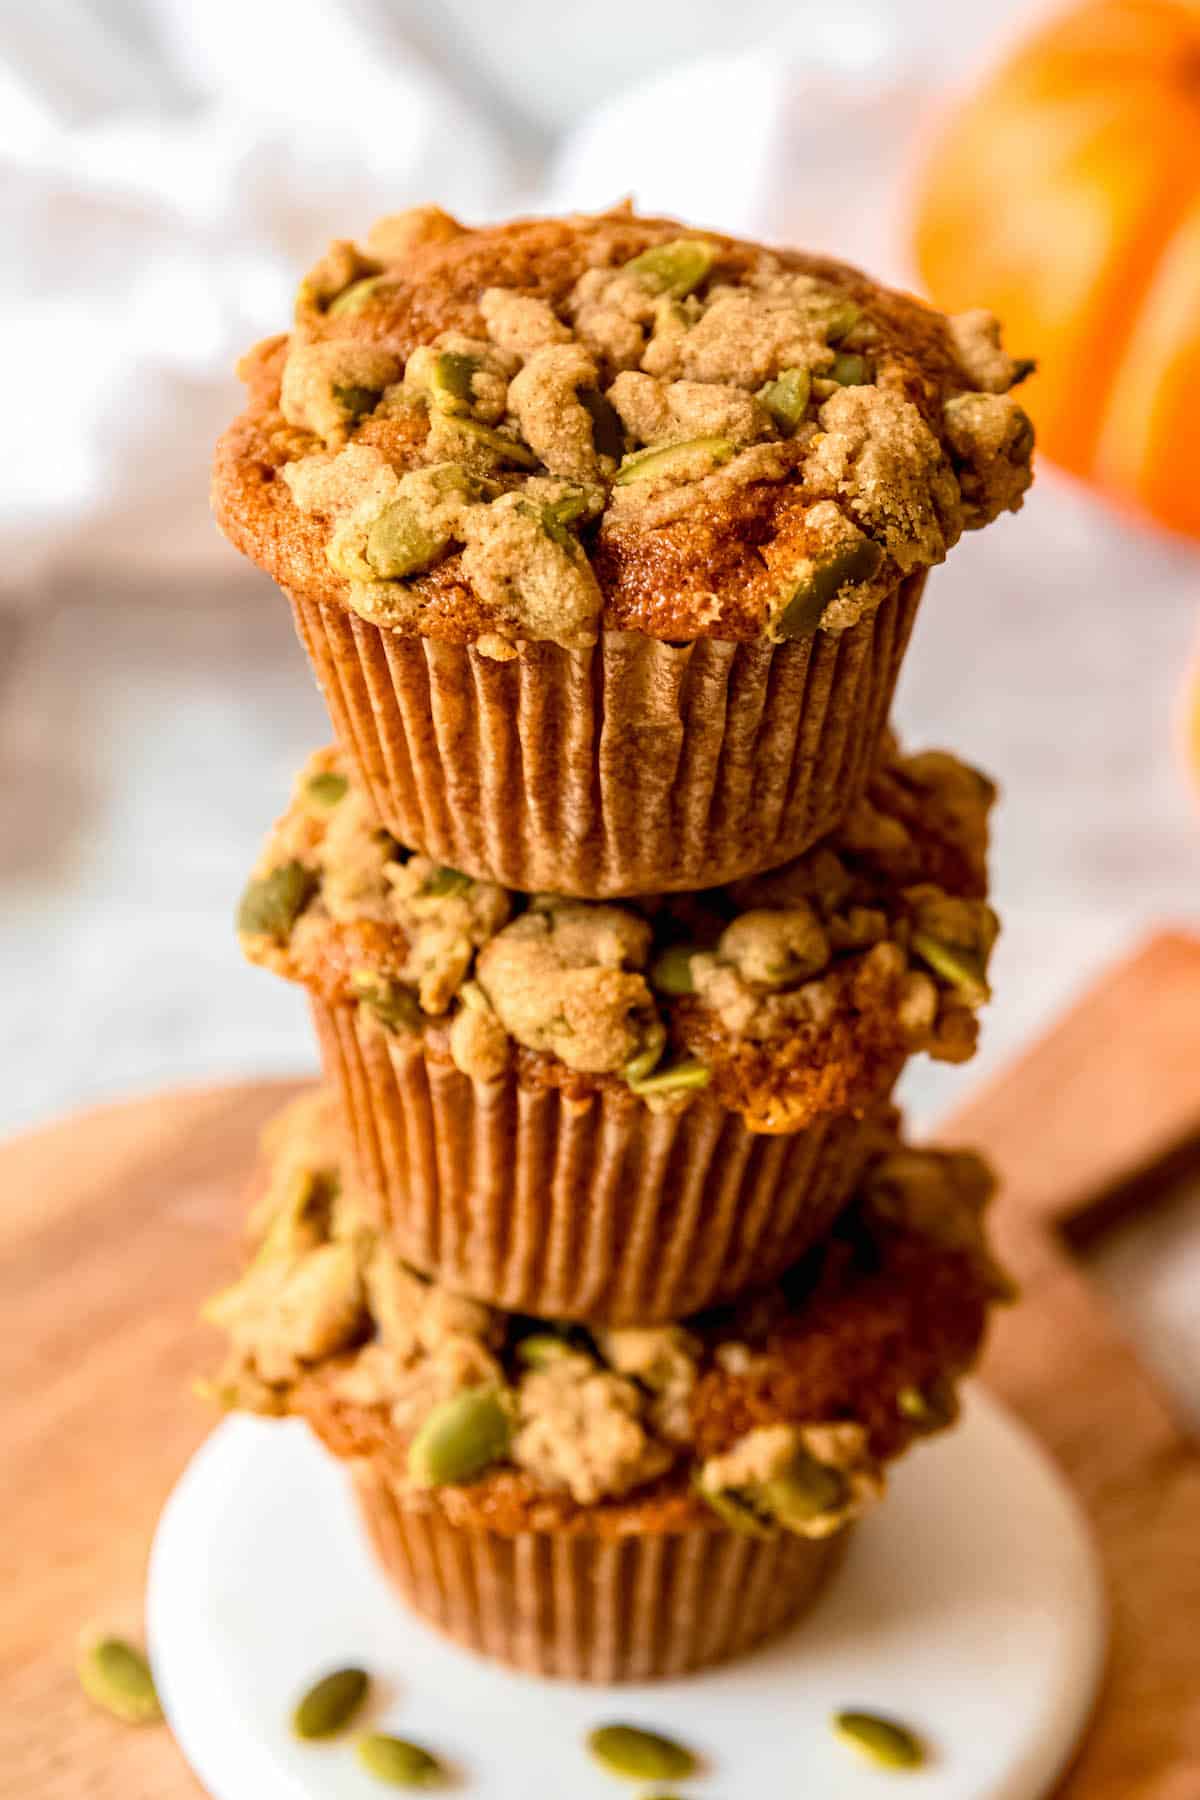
398 1762
115 1675
640 1755
330 1704
461 1438
883 1741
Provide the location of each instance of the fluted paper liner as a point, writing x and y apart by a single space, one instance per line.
586 1607
635 767
599 1210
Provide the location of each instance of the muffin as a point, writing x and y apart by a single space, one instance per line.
625 1112
605 537
623 1503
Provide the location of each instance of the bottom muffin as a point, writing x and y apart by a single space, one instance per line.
623 1503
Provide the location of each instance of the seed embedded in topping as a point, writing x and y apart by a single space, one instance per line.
851 565
671 971
450 381
461 1438
963 968
444 882
330 1705
806 1490
271 904
849 369
399 543
883 1741
674 268
674 461
355 297
356 401
507 449
394 1006
677 1078
639 1067
640 1755
326 788
786 398
542 1349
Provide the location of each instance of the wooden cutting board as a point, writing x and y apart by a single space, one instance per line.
116 1224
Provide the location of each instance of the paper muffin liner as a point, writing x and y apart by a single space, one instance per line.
599 1210
586 1607
635 767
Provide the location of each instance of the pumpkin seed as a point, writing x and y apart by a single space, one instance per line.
450 381
676 1078
929 1408
400 542
882 1741
271 904
355 296
647 1060
115 1675
640 1755
508 449
806 1490
850 565
786 397
961 967
460 1438
849 369
842 320
330 1704
444 882
398 1762
356 401
739 1509
326 788
393 1005
671 971
675 268
675 461
542 1349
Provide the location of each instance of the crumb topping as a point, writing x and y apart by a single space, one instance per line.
325 1313
631 375
787 995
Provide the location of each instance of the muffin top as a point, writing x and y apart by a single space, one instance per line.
786 995
780 1410
532 430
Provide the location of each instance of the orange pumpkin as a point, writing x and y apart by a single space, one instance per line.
1065 196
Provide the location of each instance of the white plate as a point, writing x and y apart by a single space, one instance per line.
970 1606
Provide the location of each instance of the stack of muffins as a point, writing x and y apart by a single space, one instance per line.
599 1259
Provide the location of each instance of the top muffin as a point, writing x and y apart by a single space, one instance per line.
535 430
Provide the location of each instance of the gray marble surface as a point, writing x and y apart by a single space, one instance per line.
147 737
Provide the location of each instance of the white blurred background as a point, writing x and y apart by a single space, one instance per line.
169 170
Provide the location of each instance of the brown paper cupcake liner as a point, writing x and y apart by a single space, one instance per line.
635 767
599 1210
590 1608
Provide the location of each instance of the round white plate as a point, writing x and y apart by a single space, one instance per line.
970 1606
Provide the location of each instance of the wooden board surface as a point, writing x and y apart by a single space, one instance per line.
116 1224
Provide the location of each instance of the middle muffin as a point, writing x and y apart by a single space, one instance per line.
623 1113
